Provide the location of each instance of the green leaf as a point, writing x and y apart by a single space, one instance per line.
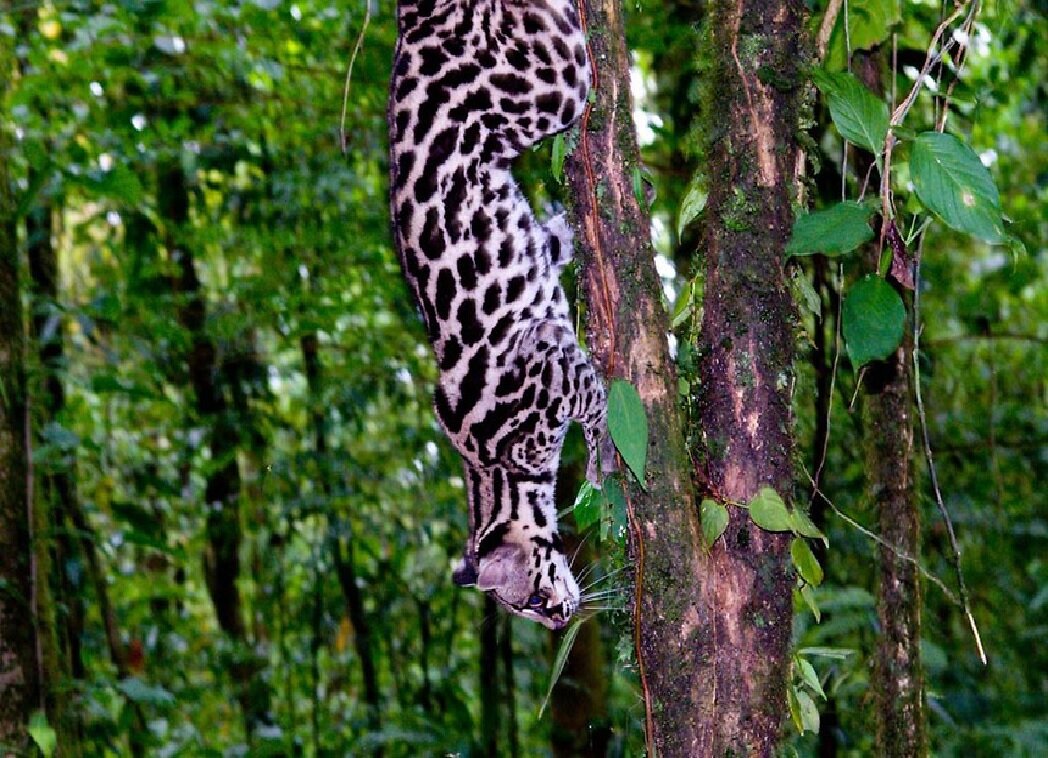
836 653
802 525
628 425
140 692
809 711
872 320
808 595
803 293
616 522
560 659
859 115
805 561
834 231
809 677
714 520
682 308
43 734
952 181
869 23
559 152
693 203
587 506
769 512
795 708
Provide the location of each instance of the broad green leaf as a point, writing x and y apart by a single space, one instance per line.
714 520
587 506
559 152
628 425
872 320
952 181
808 596
806 563
859 115
693 203
769 512
802 525
43 734
809 677
560 659
834 231
869 23
809 711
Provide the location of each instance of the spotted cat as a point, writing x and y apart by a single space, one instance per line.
476 82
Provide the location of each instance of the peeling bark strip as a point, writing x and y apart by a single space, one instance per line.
627 336
754 56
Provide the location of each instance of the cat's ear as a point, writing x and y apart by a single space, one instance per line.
465 572
499 566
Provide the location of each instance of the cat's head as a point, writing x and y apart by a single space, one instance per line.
528 579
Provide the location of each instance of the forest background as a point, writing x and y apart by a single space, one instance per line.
244 511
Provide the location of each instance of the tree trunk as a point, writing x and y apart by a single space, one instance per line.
19 655
222 486
712 632
345 566
489 679
897 675
755 58
898 678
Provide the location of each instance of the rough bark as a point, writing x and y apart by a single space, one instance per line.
754 54
898 679
713 632
627 336
19 672
897 674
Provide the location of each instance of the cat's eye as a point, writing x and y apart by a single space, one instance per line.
536 601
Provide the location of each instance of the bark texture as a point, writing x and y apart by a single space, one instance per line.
898 679
897 674
712 631
627 336
19 673
753 51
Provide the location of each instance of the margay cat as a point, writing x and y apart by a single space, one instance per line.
476 82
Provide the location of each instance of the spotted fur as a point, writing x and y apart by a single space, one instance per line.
476 82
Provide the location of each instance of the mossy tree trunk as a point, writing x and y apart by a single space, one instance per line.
712 629
898 677
19 672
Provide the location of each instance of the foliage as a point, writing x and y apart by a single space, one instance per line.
290 242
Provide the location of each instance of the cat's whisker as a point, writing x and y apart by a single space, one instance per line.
604 578
586 572
582 542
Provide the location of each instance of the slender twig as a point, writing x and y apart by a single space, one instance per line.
833 378
933 56
943 511
901 554
343 140
829 20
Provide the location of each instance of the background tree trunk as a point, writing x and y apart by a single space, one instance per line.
19 661
712 632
